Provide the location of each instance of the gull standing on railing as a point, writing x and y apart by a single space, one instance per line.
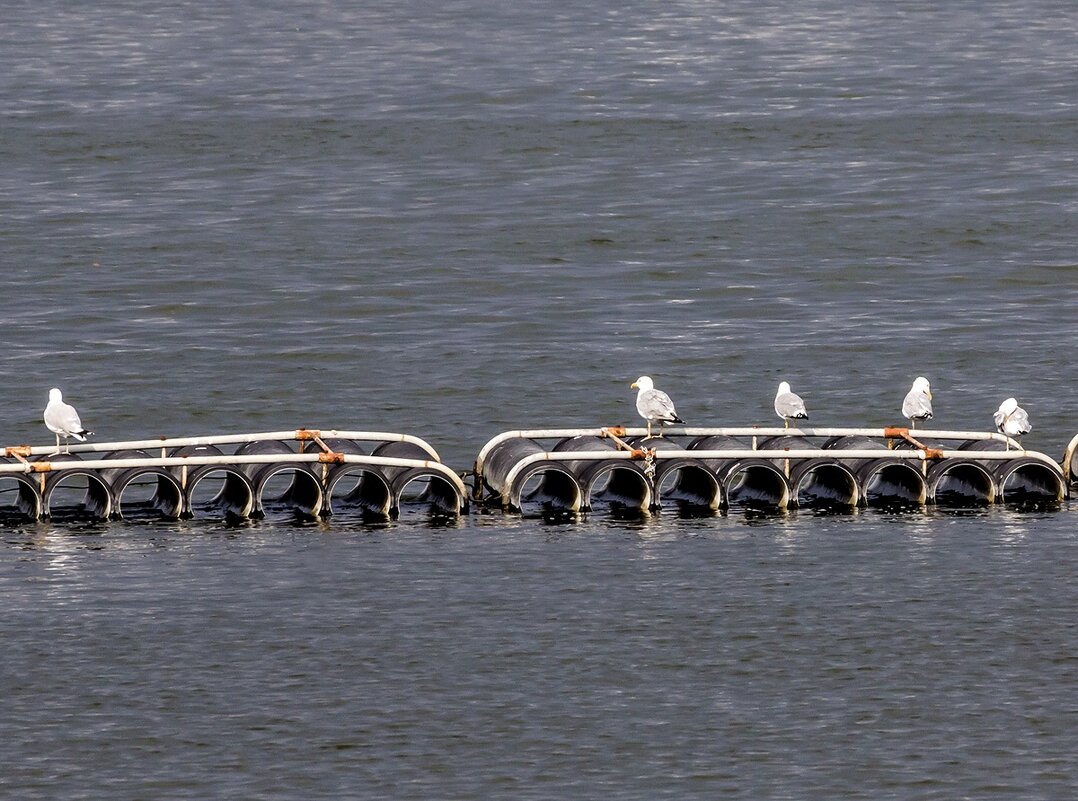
1011 419
918 402
654 405
788 405
62 419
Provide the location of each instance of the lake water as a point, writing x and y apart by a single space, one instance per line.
460 220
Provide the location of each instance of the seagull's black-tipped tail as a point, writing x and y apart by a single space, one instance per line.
82 435
677 420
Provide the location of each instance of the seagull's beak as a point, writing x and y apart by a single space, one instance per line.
928 392
633 386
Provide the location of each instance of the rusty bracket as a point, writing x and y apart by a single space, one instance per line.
18 451
331 457
40 467
305 435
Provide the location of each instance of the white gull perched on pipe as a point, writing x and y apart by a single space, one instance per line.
788 404
1011 419
918 402
654 405
62 419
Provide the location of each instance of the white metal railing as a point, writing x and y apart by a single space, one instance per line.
298 435
739 431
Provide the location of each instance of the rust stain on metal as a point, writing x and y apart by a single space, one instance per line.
304 434
933 453
642 453
915 442
331 458
322 444
18 451
40 467
894 432
614 431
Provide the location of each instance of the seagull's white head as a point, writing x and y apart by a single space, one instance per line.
55 395
921 383
642 383
1008 406
784 386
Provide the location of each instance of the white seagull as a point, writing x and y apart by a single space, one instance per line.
918 402
654 405
788 405
62 419
1011 419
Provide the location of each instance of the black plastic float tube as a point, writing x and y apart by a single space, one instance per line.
684 482
369 493
440 495
236 497
619 484
887 481
1021 480
960 482
303 495
547 487
25 500
167 500
954 482
96 503
820 483
749 483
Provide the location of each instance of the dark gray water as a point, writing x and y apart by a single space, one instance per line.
462 219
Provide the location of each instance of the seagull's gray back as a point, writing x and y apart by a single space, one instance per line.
789 404
62 418
655 405
1015 425
917 406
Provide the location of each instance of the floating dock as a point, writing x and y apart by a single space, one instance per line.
575 470
316 474
308 473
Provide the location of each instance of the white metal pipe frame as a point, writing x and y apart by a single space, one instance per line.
892 464
324 457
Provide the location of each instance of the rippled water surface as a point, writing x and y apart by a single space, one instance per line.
460 219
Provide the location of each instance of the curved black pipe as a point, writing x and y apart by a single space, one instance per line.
236 497
440 495
1023 479
167 500
817 483
885 481
619 484
26 504
97 502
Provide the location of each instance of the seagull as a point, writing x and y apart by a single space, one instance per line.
1011 419
654 405
918 402
62 419
788 405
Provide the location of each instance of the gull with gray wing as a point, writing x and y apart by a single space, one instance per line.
788 404
654 405
62 419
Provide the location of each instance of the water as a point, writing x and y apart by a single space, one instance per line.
460 220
